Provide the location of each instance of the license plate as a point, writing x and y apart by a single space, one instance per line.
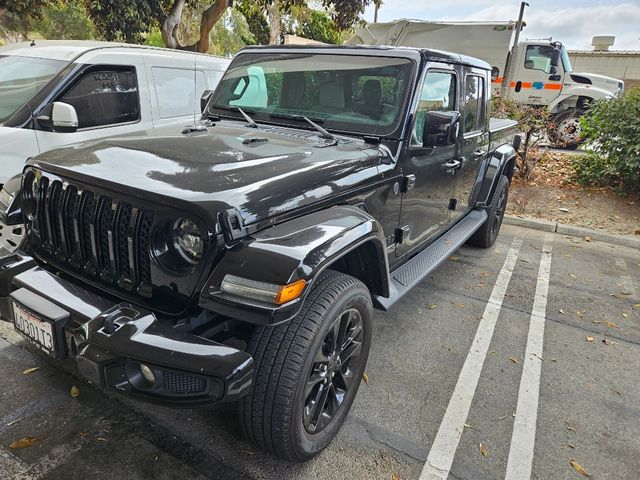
38 331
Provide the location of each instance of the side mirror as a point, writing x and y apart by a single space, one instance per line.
64 117
555 61
440 128
204 100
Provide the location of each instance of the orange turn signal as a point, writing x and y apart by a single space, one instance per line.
290 292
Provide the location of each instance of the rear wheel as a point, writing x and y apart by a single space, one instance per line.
566 131
308 371
486 235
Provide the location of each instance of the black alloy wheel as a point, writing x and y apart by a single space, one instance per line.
333 370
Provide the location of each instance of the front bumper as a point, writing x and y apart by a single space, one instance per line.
115 344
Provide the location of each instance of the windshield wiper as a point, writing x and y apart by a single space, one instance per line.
323 133
250 122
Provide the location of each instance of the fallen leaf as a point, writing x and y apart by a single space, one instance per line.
514 360
365 378
471 427
579 313
30 370
625 315
587 239
612 325
432 306
75 392
606 341
100 439
636 305
459 305
24 443
561 311
480 285
394 477
589 338
579 468
573 276
454 258
564 210
483 451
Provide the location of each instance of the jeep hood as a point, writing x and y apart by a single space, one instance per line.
260 172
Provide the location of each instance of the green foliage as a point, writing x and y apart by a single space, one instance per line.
613 131
67 21
256 19
317 25
126 20
154 38
532 122
230 34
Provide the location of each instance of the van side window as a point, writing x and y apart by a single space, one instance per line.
178 91
474 103
438 94
105 97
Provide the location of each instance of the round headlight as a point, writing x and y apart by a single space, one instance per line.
188 240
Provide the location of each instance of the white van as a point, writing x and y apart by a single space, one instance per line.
57 93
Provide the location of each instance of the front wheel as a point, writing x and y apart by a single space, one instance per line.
566 131
486 235
308 371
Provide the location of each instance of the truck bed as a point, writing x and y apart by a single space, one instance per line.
501 131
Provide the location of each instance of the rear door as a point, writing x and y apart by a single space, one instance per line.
425 204
475 138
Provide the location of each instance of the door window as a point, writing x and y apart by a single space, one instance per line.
105 97
538 57
178 91
439 94
474 103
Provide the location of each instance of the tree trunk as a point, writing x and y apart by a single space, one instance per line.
275 18
169 25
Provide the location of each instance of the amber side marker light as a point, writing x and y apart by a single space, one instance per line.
290 292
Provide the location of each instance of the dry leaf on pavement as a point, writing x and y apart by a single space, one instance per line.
483 451
589 338
514 360
75 392
395 477
459 305
24 443
30 370
365 378
432 306
579 468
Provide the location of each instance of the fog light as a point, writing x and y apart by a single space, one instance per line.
147 373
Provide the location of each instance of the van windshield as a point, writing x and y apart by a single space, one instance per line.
21 78
350 93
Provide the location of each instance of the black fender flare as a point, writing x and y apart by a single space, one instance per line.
300 248
500 162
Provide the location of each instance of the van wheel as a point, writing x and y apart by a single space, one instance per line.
307 371
566 131
486 235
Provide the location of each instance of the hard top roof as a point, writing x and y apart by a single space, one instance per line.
387 51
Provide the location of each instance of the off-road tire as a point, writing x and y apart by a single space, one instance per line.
554 135
271 415
486 235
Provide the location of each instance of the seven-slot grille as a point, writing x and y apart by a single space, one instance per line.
101 237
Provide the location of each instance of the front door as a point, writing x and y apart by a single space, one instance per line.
475 139
428 180
532 80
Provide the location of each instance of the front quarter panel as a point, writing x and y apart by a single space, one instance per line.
298 249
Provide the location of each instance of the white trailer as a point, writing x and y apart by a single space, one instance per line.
532 72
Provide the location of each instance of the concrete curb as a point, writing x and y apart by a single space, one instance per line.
573 230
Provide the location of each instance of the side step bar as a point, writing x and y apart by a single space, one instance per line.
415 270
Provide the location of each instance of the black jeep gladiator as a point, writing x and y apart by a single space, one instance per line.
241 260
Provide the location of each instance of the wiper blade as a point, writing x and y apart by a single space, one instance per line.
251 123
323 133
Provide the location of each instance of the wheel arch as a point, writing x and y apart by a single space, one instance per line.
502 161
344 238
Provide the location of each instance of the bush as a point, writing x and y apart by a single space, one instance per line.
612 130
533 121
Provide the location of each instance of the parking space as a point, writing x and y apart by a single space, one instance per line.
497 362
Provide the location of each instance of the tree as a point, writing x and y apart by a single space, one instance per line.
17 16
67 21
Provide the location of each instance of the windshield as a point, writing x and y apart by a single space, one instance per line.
352 93
566 63
21 78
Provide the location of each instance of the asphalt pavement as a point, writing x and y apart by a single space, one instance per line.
511 362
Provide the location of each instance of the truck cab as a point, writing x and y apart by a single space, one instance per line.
241 261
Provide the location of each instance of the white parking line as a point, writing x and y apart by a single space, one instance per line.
446 442
524 427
